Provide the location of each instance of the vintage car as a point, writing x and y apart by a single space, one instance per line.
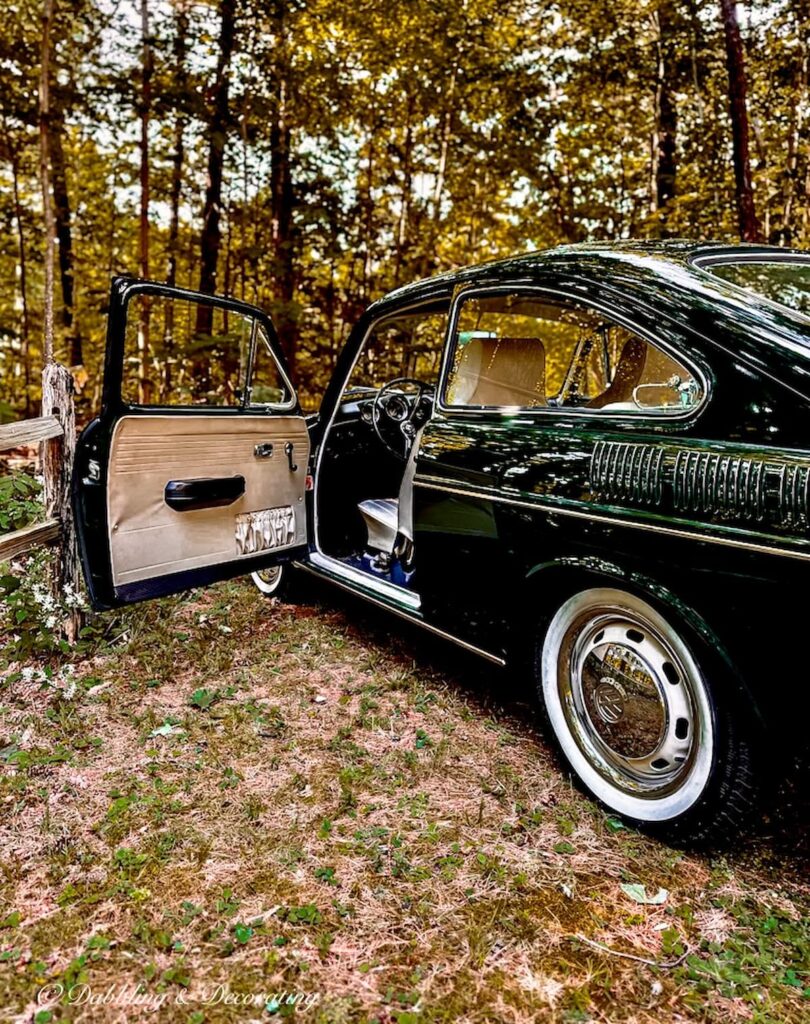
594 461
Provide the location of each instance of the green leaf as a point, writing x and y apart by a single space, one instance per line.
242 932
638 893
203 699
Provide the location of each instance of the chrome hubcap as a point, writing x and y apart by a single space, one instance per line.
627 699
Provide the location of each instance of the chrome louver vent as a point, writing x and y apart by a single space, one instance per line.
708 483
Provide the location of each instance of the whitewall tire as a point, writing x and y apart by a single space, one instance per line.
629 705
269 581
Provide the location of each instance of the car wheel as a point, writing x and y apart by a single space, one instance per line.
275 581
636 717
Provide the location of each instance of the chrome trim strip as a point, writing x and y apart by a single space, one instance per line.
611 520
388 590
330 578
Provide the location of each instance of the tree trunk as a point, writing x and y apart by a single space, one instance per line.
737 89
176 190
217 131
147 66
281 198
666 165
25 335
45 175
61 202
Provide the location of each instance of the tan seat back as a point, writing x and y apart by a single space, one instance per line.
501 372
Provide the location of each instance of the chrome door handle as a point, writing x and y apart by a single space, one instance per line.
263 450
289 451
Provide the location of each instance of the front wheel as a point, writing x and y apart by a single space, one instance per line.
636 718
279 581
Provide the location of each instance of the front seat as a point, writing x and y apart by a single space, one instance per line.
389 521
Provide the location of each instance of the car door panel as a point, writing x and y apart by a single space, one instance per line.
170 496
148 538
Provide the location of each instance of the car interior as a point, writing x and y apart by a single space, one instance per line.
525 355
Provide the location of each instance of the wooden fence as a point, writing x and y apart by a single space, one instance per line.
55 430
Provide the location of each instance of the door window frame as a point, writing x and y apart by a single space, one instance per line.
112 400
429 305
565 297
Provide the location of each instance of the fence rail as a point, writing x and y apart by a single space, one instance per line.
20 541
33 431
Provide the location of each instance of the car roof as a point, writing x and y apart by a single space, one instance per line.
656 257
669 278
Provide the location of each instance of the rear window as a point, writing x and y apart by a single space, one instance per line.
786 283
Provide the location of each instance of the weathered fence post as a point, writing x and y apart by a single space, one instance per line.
57 462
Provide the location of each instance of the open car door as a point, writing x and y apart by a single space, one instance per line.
196 468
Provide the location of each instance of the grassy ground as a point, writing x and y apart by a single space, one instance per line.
243 799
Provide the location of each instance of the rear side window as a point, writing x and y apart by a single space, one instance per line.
776 280
524 352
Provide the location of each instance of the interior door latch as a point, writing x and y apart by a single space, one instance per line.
289 451
263 450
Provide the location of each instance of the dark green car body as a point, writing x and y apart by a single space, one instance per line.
707 513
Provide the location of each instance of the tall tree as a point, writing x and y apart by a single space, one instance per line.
180 78
665 160
217 130
14 161
281 187
45 174
145 104
737 90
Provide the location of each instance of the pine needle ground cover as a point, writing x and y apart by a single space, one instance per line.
237 810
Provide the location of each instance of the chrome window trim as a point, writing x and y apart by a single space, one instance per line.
416 620
435 484
473 290
267 407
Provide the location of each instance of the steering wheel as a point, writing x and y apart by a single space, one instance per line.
400 408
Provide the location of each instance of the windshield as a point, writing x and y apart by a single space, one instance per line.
787 283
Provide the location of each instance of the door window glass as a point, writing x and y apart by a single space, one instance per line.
529 353
184 353
405 346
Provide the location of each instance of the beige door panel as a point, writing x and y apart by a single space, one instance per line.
148 539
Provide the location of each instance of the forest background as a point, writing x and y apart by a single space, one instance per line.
309 155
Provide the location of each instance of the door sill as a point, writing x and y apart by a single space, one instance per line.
321 566
389 592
